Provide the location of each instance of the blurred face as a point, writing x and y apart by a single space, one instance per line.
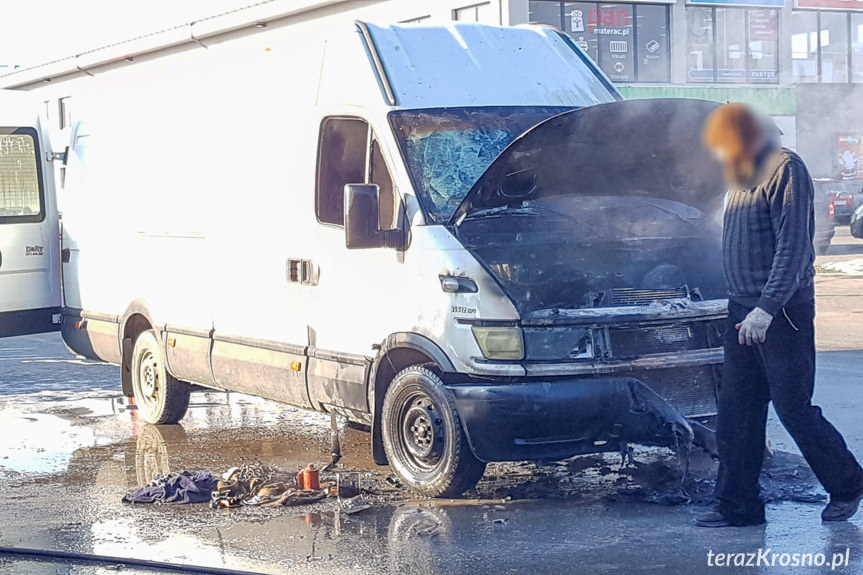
735 136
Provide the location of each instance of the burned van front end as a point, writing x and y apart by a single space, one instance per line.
603 227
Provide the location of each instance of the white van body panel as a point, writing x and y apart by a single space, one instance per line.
29 225
205 237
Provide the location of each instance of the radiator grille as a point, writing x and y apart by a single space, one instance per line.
632 296
634 342
691 391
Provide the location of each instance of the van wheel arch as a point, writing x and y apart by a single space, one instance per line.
398 352
161 398
424 437
136 321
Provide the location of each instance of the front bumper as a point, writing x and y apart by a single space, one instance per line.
559 418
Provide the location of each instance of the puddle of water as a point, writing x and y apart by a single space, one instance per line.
40 442
85 449
97 455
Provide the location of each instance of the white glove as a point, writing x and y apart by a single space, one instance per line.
753 328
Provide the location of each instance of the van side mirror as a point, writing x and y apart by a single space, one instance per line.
362 207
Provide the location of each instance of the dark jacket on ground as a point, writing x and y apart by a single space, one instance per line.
767 236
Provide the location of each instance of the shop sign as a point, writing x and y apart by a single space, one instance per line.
731 75
755 3
762 26
611 26
831 4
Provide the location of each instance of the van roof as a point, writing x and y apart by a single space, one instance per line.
472 64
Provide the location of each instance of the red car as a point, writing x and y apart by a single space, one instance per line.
842 197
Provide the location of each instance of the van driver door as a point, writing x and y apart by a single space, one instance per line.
30 296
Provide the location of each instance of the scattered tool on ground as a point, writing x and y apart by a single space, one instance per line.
254 484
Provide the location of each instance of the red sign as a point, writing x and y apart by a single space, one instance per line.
762 25
849 150
836 4
607 18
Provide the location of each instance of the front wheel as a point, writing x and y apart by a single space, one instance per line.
423 437
160 397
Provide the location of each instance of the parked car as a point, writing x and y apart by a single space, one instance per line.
483 256
843 197
843 206
856 224
825 222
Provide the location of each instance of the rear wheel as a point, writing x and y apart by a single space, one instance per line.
423 436
160 397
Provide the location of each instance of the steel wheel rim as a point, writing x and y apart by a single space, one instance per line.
149 377
423 437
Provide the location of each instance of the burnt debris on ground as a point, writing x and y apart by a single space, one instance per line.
651 475
647 475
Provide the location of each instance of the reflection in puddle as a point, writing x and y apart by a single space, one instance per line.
48 431
151 450
40 443
119 537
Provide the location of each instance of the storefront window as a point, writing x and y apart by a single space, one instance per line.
653 43
544 12
834 47
857 48
804 46
732 45
699 44
576 17
763 60
827 47
612 26
629 42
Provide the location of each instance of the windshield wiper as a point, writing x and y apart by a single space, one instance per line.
526 209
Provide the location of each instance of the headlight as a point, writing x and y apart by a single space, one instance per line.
499 342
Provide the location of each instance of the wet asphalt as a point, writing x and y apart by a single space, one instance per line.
71 447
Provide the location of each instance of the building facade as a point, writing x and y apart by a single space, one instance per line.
801 61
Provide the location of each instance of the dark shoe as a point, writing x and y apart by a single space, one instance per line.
712 519
716 519
841 510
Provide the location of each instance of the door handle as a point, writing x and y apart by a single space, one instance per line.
300 271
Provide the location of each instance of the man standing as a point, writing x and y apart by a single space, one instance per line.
769 342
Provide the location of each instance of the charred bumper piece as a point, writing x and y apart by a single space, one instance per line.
557 419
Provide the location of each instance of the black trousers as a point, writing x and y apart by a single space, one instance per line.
782 369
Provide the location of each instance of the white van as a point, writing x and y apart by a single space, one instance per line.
458 235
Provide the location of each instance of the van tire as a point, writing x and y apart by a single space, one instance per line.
161 398
430 455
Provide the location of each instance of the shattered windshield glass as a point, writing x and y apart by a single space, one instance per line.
447 150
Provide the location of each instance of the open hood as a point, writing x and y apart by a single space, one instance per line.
640 148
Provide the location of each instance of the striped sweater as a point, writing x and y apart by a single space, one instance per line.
767 236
